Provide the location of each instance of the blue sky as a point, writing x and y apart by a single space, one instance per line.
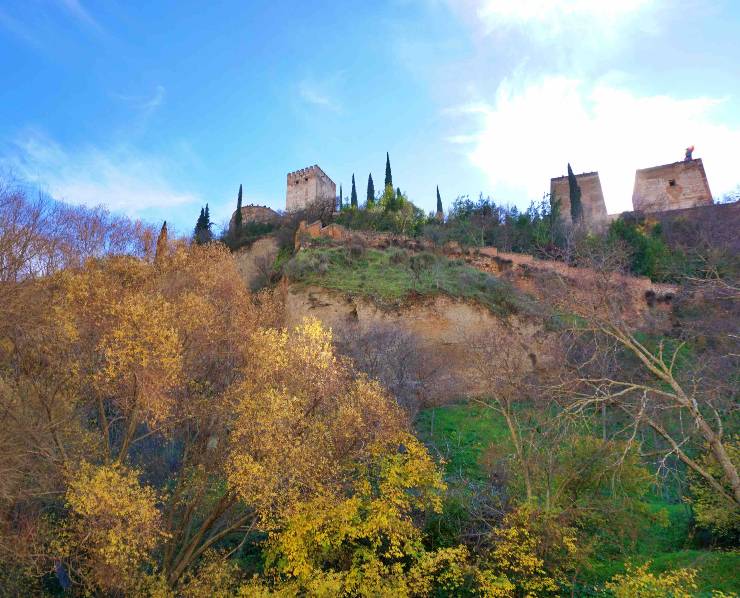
155 108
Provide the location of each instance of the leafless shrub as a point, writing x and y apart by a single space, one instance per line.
395 359
40 236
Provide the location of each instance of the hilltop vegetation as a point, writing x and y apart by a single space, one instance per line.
164 434
395 275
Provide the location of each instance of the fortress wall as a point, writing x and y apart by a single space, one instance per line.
252 213
671 187
592 198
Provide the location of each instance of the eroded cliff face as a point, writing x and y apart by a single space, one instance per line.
460 341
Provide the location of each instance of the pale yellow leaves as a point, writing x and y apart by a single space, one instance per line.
304 419
112 528
141 355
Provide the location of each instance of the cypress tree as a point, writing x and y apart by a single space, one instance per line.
440 212
370 190
399 198
353 197
202 232
340 198
161 243
238 219
199 225
576 207
388 175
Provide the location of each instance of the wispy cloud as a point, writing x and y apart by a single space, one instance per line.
75 9
533 128
18 29
145 104
318 93
119 177
42 25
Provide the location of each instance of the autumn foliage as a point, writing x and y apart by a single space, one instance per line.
163 434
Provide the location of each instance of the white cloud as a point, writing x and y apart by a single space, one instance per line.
118 177
577 32
533 129
554 12
319 93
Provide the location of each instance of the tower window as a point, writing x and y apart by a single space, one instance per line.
672 183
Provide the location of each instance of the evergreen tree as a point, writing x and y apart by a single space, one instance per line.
202 233
238 219
576 207
399 199
440 212
199 225
388 175
370 190
161 243
353 197
340 198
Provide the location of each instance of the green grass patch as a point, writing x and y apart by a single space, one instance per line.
391 277
460 434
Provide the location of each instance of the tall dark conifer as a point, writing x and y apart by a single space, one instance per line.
202 233
238 218
370 190
388 175
440 212
353 197
576 207
341 198
399 198
199 224
161 243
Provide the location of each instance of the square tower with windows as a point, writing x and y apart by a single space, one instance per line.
309 186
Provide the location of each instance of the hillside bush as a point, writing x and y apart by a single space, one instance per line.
407 219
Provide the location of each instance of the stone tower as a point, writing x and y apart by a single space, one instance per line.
592 198
671 187
308 186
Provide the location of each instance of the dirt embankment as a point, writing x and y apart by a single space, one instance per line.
453 336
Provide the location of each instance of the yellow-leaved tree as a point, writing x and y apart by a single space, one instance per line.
112 528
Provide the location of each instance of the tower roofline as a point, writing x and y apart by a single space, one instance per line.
308 170
649 168
558 178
